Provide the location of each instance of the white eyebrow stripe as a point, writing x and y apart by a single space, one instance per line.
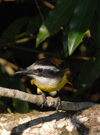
44 67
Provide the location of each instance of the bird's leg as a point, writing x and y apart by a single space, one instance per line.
44 100
58 101
43 95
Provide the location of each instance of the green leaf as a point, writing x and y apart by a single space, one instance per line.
55 19
42 35
65 41
34 24
95 25
20 106
89 73
80 22
14 29
95 32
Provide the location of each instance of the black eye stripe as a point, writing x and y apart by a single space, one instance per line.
40 70
47 73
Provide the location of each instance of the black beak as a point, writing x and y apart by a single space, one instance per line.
24 72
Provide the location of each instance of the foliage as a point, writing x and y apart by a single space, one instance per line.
68 29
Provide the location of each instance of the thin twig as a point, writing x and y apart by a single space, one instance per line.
39 10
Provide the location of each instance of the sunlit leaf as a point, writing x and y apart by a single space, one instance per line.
80 22
42 35
56 18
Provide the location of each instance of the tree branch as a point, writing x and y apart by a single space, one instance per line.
38 100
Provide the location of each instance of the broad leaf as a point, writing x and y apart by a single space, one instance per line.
80 22
65 41
95 26
56 18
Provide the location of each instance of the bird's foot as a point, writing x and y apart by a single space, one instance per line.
40 92
58 103
44 100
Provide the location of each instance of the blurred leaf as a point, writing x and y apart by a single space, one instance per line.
20 106
56 18
80 22
34 24
83 48
95 26
89 73
13 29
95 31
98 9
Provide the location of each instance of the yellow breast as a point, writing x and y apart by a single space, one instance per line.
54 87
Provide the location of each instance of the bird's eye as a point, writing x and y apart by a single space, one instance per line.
40 70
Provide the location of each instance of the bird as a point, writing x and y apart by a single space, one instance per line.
48 74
